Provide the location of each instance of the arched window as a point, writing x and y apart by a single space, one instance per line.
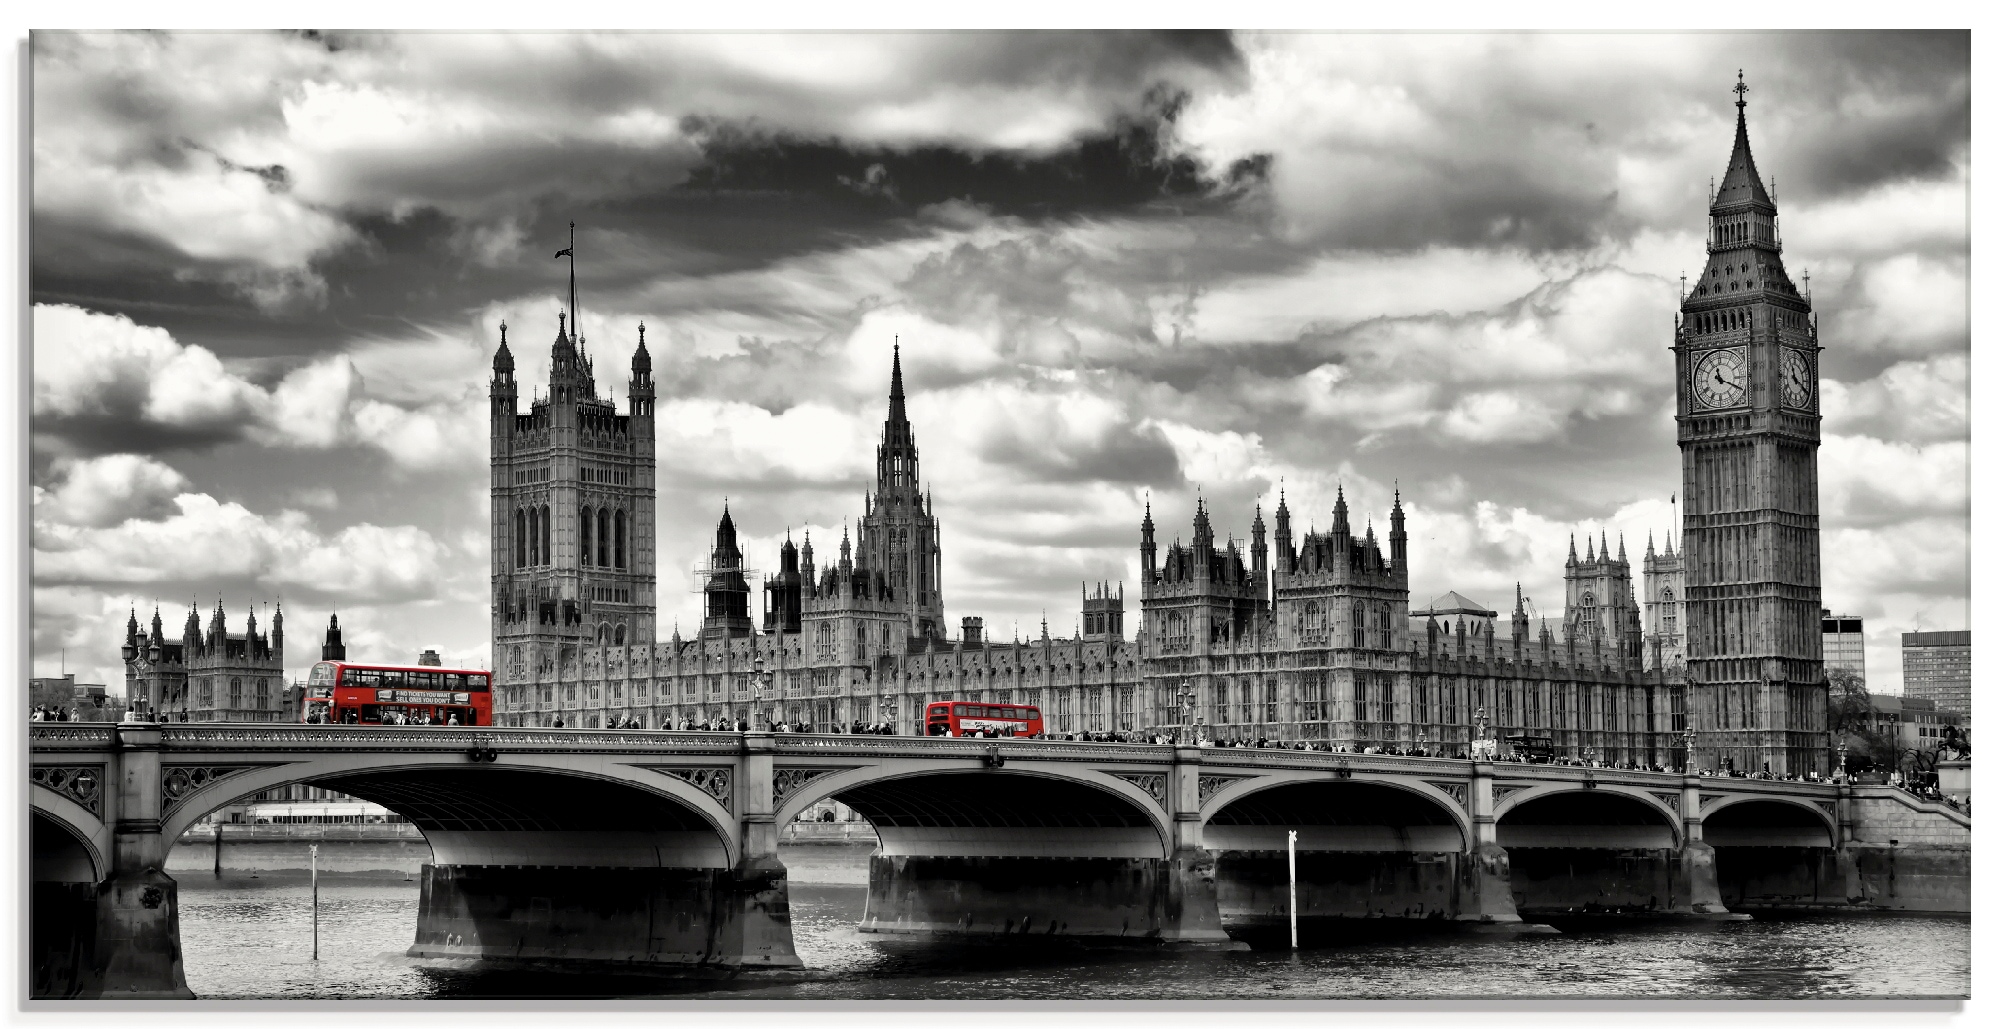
585 520
263 693
235 691
520 538
618 636
603 536
545 534
534 537
603 633
1360 625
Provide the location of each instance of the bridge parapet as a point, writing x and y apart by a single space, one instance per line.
430 738
841 745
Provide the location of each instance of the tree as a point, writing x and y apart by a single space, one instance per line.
1851 716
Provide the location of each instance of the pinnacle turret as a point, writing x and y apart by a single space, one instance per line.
503 358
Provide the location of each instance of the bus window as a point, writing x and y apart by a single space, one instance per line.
322 674
371 712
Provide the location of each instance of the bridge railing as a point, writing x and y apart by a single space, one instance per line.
62 735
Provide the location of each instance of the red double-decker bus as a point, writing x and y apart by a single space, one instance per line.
962 718
351 694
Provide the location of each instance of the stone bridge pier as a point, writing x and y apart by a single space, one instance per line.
1008 843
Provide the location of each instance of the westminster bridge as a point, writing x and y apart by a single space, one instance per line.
661 848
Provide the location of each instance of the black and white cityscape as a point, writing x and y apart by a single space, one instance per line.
1300 515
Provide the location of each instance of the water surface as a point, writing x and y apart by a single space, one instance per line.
245 937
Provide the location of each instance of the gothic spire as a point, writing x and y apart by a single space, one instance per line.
1621 548
896 412
1741 184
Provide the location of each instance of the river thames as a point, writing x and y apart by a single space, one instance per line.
244 937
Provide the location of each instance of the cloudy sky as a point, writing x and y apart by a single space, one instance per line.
268 273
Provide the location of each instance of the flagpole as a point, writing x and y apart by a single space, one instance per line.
575 325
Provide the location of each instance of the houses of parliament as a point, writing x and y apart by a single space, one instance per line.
1308 637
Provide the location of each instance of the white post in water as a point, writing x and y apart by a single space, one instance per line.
1292 887
315 879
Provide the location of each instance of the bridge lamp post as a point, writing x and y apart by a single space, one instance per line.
1187 698
1687 741
1839 757
760 685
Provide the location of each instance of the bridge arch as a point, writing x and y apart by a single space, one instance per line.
1569 815
538 809
1766 821
61 850
1361 812
1021 809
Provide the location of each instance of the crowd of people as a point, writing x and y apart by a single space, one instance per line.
52 713
1928 790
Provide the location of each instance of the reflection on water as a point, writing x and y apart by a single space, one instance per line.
252 938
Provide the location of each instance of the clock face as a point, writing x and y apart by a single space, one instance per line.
1797 379
1718 378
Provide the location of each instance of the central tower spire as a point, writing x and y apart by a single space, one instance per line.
899 535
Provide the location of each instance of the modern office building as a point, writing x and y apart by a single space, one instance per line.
1841 644
1937 666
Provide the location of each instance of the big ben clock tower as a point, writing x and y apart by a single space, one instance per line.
1747 352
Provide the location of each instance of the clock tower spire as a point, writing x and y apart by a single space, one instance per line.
1747 351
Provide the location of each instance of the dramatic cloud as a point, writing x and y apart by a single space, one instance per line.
105 491
269 275
101 379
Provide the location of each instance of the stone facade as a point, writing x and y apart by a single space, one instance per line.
207 676
572 524
1666 612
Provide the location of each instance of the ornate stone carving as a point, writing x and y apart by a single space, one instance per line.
1671 800
1828 807
785 781
81 783
177 781
1154 785
713 781
1501 793
1455 790
1708 800
1207 786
